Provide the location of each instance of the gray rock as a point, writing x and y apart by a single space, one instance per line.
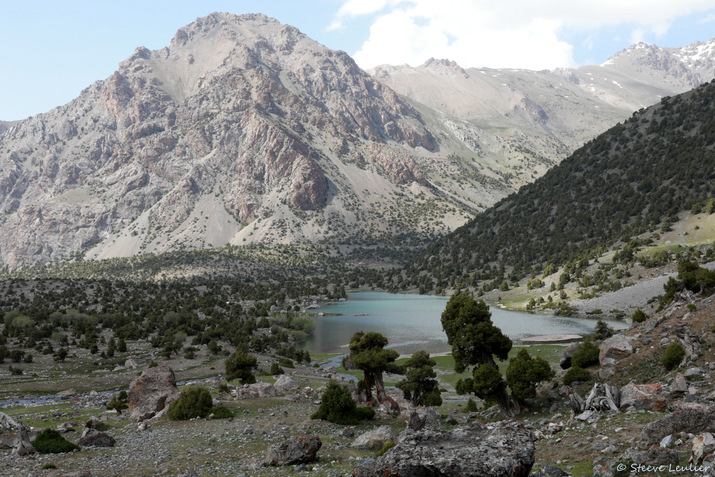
501 449
684 420
99 439
695 373
567 355
643 396
375 439
667 442
152 392
22 445
550 471
8 423
616 347
255 391
653 456
423 417
65 427
703 445
284 383
679 385
301 450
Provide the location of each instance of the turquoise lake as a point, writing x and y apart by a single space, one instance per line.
412 323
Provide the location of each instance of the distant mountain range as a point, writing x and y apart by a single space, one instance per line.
244 130
634 179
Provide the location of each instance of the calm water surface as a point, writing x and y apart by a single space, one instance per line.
412 322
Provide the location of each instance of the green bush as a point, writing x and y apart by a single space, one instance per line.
388 445
221 412
585 355
471 406
365 413
576 374
674 354
50 441
240 365
639 316
338 407
119 403
276 369
194 401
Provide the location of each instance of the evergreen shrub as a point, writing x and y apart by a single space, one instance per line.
50 441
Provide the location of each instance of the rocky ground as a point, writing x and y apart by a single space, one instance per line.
664 418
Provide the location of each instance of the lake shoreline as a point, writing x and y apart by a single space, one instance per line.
412 322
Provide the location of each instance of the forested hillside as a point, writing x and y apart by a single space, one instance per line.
635 177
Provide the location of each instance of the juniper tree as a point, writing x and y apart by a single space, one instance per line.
420 385
476 342
368 353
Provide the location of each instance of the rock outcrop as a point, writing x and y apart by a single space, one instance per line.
425 417
152 392
644 396
375 439
100 439
692 421
242 127
616 347
301 450
504 449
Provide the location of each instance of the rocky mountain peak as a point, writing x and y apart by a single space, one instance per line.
444 67
241 126
691 65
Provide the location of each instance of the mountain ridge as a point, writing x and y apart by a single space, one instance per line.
244 130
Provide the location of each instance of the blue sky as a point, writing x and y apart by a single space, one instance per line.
51 50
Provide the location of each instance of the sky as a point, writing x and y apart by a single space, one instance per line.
51 50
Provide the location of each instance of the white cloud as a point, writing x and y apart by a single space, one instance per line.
354 8
508 33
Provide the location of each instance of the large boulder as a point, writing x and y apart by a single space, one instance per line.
692 421
284 383
502 449
152 392
255 391
644 396
616 347
654 456
99 439
7 423
22 445
301 450
375 439
679 386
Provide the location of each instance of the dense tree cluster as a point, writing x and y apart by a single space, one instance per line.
50 315
477 342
